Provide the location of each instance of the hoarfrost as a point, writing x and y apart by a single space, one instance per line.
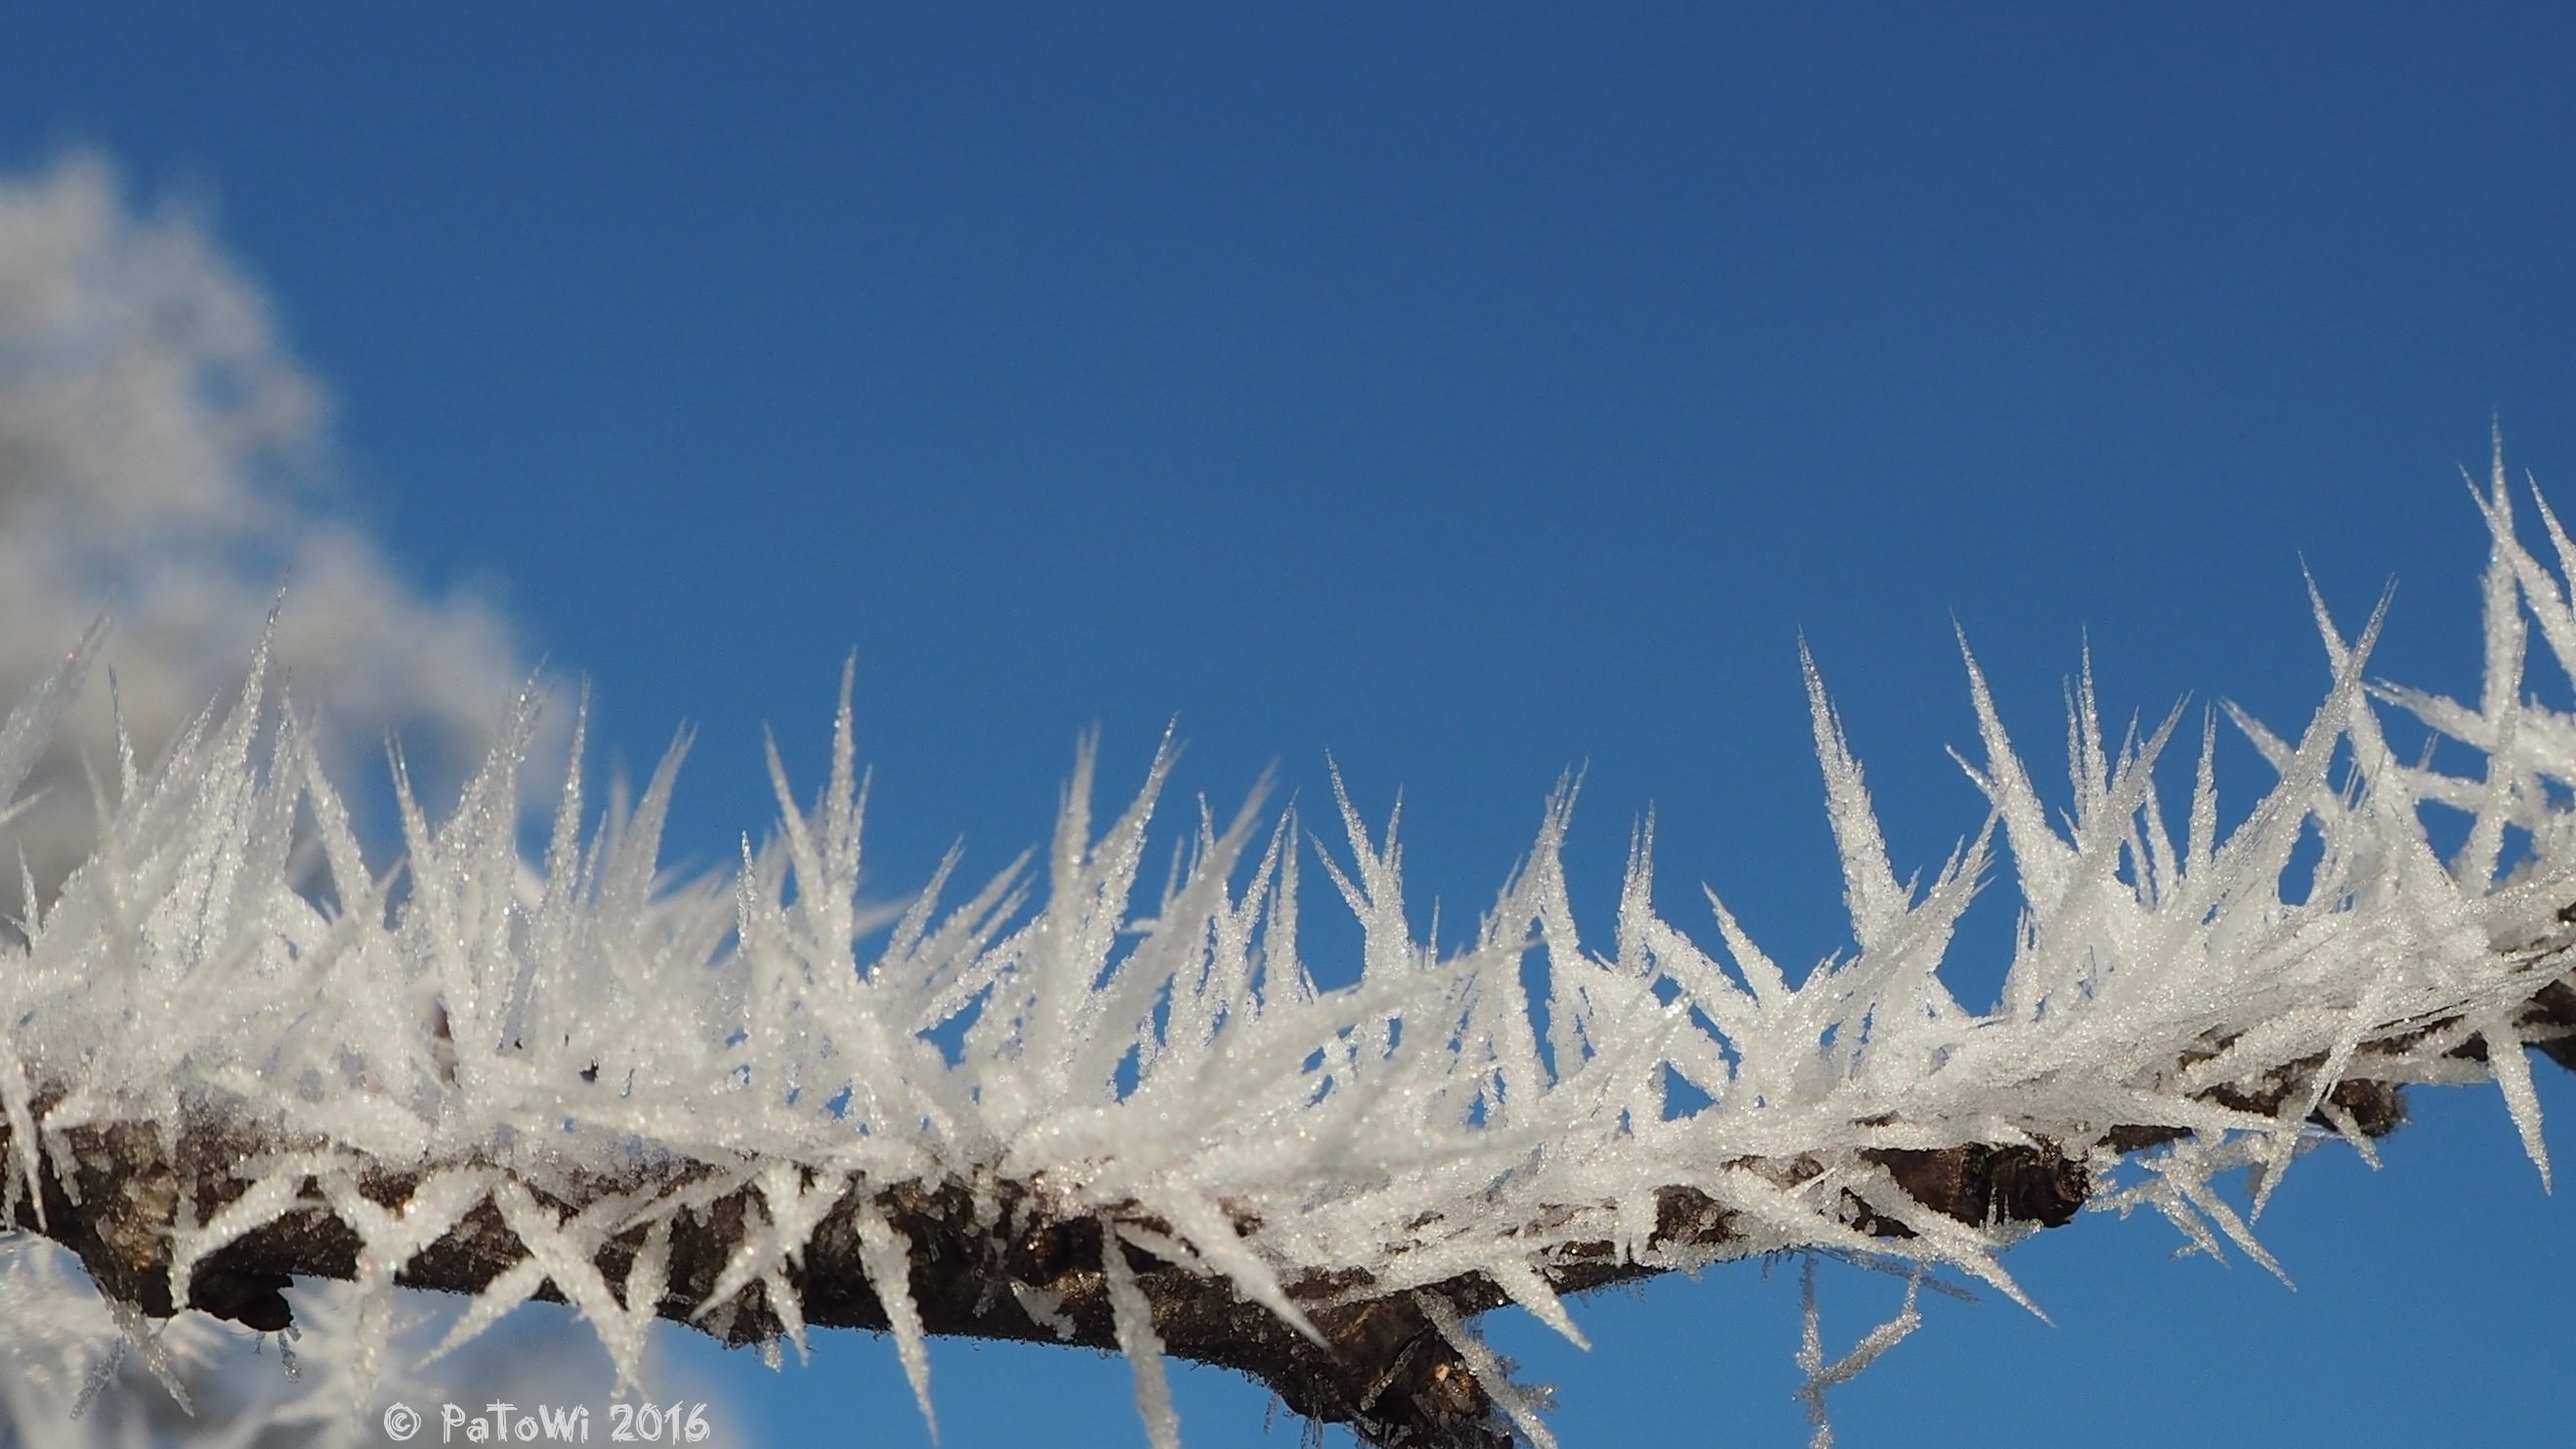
1133 1314
1823 1377
518 1039
889 1264
1520 1402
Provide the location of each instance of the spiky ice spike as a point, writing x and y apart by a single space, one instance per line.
1133 1316
887 1257
1520 1403
1822 1377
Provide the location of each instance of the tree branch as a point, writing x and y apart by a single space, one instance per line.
1000 1260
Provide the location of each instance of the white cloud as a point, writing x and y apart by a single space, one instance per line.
165 460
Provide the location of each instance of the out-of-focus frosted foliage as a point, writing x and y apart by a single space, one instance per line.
1167 1052
74 1373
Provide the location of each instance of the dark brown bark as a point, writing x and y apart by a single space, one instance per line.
1383 1367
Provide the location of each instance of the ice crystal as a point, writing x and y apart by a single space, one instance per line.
1134 1315
1823 1377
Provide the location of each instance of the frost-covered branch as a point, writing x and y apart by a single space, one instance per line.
1057 1111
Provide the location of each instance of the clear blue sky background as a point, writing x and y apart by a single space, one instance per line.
1472 392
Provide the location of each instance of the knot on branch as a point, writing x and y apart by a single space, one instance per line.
1979 1184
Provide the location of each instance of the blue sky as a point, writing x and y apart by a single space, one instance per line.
1473 394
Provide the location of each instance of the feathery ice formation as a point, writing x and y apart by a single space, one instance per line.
1049 1113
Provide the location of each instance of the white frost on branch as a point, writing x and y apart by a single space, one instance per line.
1822 1377
1173 1060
